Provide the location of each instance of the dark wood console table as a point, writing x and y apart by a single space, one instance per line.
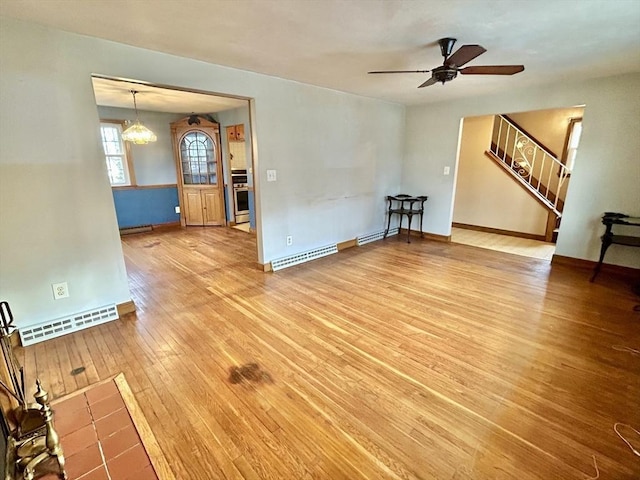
609 219
403 204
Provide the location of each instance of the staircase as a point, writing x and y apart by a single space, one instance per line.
530 163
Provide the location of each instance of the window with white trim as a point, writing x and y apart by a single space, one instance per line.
116 154
573 140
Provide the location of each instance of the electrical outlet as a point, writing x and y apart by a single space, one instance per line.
178 209
60 290
271 176
289 240
447 170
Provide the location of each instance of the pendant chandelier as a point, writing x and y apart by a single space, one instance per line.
138 133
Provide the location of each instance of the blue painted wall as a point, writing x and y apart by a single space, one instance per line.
146 206
252 211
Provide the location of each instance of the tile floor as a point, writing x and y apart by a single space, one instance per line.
99 438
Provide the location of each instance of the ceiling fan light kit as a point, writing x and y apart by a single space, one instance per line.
452 63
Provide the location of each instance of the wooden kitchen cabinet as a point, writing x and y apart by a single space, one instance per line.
235 133
202 207
239 133
212 208
231 134
192 207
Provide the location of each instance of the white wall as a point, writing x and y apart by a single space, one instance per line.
485 195
605 177
153 163
336 155
548 126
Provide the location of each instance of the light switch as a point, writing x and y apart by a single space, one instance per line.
447 170
271 175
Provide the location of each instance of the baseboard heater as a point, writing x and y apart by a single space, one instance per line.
73 323
138 229
372 237
298 258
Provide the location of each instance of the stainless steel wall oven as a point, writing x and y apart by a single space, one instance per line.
239 179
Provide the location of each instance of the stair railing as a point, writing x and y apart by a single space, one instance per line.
529 160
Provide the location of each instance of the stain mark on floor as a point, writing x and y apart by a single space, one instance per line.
250 372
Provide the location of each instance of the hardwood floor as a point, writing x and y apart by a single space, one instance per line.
388 361
504 243
245 227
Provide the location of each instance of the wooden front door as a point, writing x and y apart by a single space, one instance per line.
199 166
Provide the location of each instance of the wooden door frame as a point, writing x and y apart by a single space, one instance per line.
179 129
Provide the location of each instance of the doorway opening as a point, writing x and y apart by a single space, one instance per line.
512 178
185 178
158 184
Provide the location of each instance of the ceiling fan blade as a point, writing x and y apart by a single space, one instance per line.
431 81
492 70
401 71
464 54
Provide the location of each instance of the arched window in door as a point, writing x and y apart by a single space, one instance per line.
198 159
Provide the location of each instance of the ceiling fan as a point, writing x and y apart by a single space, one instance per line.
452 63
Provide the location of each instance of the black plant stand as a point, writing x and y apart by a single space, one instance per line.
403 204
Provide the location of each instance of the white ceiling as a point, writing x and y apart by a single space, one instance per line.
333 43
115 93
